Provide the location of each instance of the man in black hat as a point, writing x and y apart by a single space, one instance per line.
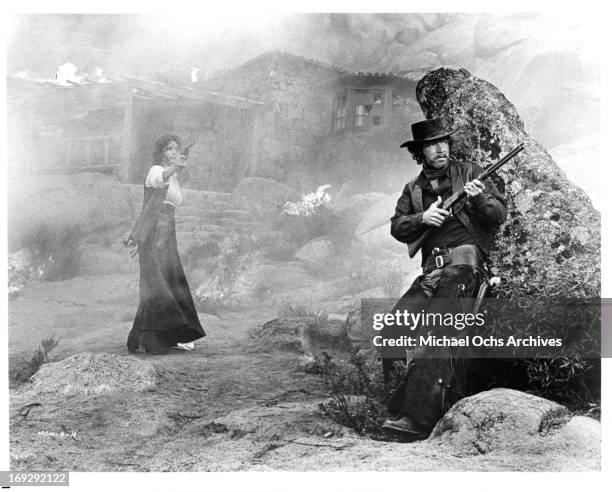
453 261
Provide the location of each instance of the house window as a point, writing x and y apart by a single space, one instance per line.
340 113
102 151
359 108
363 107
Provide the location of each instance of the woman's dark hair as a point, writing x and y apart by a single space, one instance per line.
160 146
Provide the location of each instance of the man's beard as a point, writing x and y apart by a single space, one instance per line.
435 162
435 172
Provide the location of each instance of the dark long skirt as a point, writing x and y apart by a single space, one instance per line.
166 313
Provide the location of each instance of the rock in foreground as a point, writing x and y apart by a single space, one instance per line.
550 243
508 421
93 373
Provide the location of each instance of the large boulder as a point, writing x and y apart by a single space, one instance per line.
377 215
509 421
374 227
316 251
303 334
550 243
353 208
263 196
357 204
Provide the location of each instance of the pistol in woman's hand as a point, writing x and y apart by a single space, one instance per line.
179 160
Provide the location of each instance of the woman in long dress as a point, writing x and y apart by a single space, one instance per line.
166 315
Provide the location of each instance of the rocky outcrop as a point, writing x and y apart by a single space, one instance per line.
263 196
316 251
54 221
353 208
550 243
303 334
374 228
85 203
508 421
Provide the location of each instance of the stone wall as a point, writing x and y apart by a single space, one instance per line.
223 135
371 158
296 114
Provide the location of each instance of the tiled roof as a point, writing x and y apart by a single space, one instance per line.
290 57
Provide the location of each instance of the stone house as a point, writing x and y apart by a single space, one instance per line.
321 123
111 127
278 116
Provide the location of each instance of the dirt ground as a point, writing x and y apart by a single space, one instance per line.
231 404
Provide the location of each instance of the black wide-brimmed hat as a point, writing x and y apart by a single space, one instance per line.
427 131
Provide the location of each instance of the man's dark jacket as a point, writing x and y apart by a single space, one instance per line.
481 215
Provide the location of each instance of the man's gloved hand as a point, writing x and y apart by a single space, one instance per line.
435 216
474 188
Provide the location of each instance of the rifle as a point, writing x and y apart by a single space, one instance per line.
448 204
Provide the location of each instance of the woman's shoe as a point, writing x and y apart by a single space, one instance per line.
185 346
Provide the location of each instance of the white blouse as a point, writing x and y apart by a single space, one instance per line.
155 179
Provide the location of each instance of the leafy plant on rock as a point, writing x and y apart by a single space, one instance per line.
40 356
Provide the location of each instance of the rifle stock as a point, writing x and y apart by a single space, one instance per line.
448 204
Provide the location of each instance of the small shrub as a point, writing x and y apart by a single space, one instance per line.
55 251
357 394
288 309
573 381
362 414
39 357
320 365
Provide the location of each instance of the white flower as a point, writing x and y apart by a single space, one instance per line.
493 281
309 203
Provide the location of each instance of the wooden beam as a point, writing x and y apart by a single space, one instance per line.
124 171
74 170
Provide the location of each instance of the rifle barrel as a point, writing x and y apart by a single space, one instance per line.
415 245
494 167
